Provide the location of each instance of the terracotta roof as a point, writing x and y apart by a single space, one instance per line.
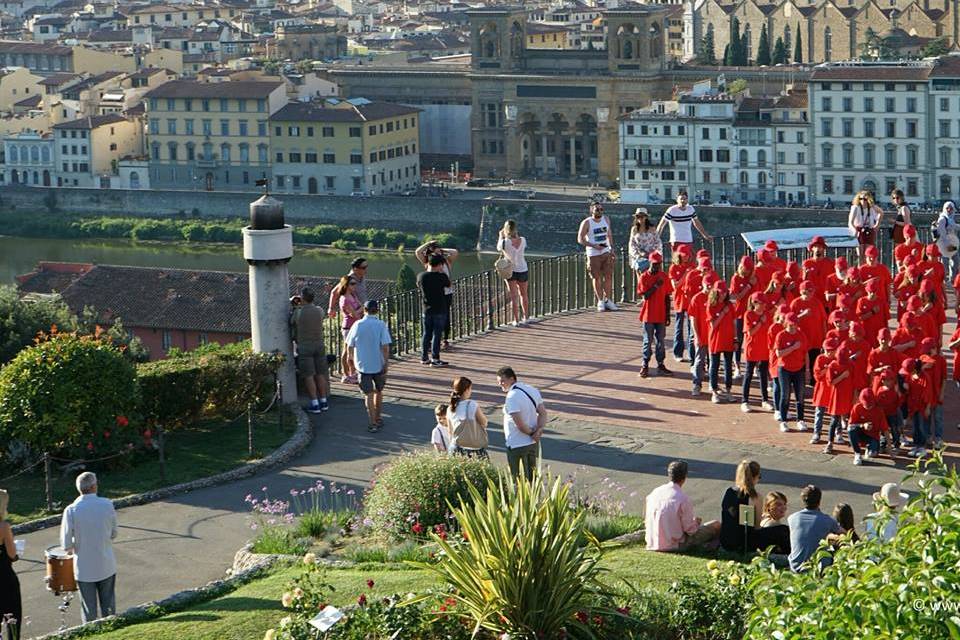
30 102
91 122
233 89
310 112
213 301
57 79
109 35
876 73
946 66
42 48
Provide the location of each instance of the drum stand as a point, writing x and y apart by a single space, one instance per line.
64 606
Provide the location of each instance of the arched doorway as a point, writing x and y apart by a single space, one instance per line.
312 185
134 180
15 177
559 141
585 145
529 142
208 181
46 177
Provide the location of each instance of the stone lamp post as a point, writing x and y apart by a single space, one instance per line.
267 248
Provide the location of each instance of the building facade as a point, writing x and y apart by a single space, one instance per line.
28 159
210 136
87 150
343 147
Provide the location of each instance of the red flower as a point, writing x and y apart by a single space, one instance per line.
106 434
148 434
582 617
122 421
443 607
369 584
623 611
417 528
89 446
362 600
442 535
451 602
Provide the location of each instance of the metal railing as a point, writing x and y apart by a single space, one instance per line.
559 284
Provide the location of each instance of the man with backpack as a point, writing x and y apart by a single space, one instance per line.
524 418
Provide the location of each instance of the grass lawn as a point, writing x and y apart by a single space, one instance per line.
204 450
255 607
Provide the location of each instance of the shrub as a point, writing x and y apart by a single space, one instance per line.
606 527
406 279
211 381
21 321
68 393
712 609
874 589
415 490
344 245
523 568
156 230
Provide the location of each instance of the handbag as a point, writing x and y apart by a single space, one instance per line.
468 434
865 235
504 267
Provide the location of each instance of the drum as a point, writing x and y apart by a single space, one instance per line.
59 570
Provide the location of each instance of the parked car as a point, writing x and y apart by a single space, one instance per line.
358 194
722 202
478 182
530 195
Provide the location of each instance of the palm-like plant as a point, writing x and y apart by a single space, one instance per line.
527 565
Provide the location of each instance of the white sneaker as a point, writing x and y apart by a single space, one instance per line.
766 406
695 392
745 407
777 416
857 459
516 323
828 448
715 398
601 306
784 428
919 453
867 454
815 439
802 426
610 306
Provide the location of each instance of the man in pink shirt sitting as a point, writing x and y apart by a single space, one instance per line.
670 523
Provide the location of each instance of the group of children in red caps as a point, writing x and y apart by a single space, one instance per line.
869 342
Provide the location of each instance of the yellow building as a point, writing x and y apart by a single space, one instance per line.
342 147
168 15
541 35
87 150
16 85
211 135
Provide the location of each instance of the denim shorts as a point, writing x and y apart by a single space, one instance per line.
640 264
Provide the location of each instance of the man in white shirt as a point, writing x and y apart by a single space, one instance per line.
524 418
596 235
88 526
682 218
369 344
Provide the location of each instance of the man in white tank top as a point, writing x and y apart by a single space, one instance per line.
596 235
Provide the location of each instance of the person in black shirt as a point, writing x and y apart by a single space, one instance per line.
431 284
744 492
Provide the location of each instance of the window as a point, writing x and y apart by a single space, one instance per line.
944 126
781 178
744 158
328 132
827 185
944 185
310 157
666 131
224 104
827 44
723 155
154 127
261 105
372 130
889 105
847 184
225 127
373 156
279 156
847 105
244 158
330 182
241 105
205 104
329 158
389 127
172 151
911 105
761 158
706 175
912 187
800 137
869 156
826 128
188 126
911 157
890 128
207 127
261 129
723 177
191 154
826 155
868 105
166 340
868 128
280 181
781 157
154 153
781 137
293 132
723 133
225 152
706 155
847 154
243 128
889 86
911 129
296 182
309 132
744 179
890 185
705 133
356 132
262 153
847 127
356 158
890 157
294 157
944 158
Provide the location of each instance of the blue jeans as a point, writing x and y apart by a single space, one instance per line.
859 437
699 365
795 380
937 419
895 422
654 331
682 335
777 391
433 325
921 429
763 367
727 370
951 265
738 327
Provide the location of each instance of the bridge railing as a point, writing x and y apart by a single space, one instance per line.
557 284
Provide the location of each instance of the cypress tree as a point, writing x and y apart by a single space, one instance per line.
736 45
727 60
798 47
779 52
763 48
707 55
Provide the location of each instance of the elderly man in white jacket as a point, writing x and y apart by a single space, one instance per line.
945 228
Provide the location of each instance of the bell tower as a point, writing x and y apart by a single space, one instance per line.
498 38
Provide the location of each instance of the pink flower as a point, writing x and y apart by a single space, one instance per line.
370 584
89 446
362 600
122 421
416 528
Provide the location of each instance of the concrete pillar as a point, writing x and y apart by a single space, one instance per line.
543 151
267 248
573 156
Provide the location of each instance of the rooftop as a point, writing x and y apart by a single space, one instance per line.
357 111
91 122
232 89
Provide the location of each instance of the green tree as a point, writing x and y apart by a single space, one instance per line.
763 47
779 52
875 46
88 323
737 86
737 50
727 60
798 48
21 320
406 279
936 47
707 54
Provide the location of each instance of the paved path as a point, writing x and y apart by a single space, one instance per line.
606 424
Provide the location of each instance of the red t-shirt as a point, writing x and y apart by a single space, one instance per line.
936 373
831 290
881 273
904 336
823 267
741 288
919 393
794 360
697 308
902 292
821 388
755 328
870 313
873 420
933 270
772 333
653 309
693 284
956 353
721 327
859 351
813 324
883 358
677 273
840 392
888 399
901 252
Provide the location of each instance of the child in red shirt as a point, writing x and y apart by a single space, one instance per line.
876 270
813 319
909 247
653 291
756 325
839 396
791 348
742 285
856 343
883 356
872 311
697 310
839 326
822 265
931 268
935 368
682 264
890 400
919 402
821 389
905 285
924 320
867 423
720 311
954 345
775 328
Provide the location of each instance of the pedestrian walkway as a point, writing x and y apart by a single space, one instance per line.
607 423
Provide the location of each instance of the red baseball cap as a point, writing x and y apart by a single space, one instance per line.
856 328
873 285
914 303
783 309
720 285
872 251
841 264
778 277
746 262
885 334
831 344
867 398
704 261
656 256
908 319
684 249
910 231
817 241
852 272
933 251
771 245
808 285
710 277
908 367
758 296
809 263
791 318
702 252
837 316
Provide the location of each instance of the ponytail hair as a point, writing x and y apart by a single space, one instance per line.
461 385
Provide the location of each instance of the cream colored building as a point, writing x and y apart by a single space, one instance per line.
211 136
15 85
343 147
178 15
87 150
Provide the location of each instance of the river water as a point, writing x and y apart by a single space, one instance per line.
20 255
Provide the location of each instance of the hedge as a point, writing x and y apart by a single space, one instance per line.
213 381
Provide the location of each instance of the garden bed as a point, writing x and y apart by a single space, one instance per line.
200 451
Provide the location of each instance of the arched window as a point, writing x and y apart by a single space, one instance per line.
945 157
244 152
172 151
744 159
761 158
787 37
762 179
225 152
655 42
134 180
827 44
45 154
35 154
627 49
744 179
191 152
262 153
155 151
207 151
14 154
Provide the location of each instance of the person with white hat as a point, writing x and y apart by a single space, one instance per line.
890 500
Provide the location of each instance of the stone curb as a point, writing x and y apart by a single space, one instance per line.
299 441
178 601
244 559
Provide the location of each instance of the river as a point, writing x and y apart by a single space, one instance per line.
20 255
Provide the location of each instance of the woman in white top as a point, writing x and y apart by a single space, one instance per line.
513 245
864 220
463 410
643 241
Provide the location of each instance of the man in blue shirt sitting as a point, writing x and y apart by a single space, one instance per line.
808 527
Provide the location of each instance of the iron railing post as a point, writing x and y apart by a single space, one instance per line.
490 324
